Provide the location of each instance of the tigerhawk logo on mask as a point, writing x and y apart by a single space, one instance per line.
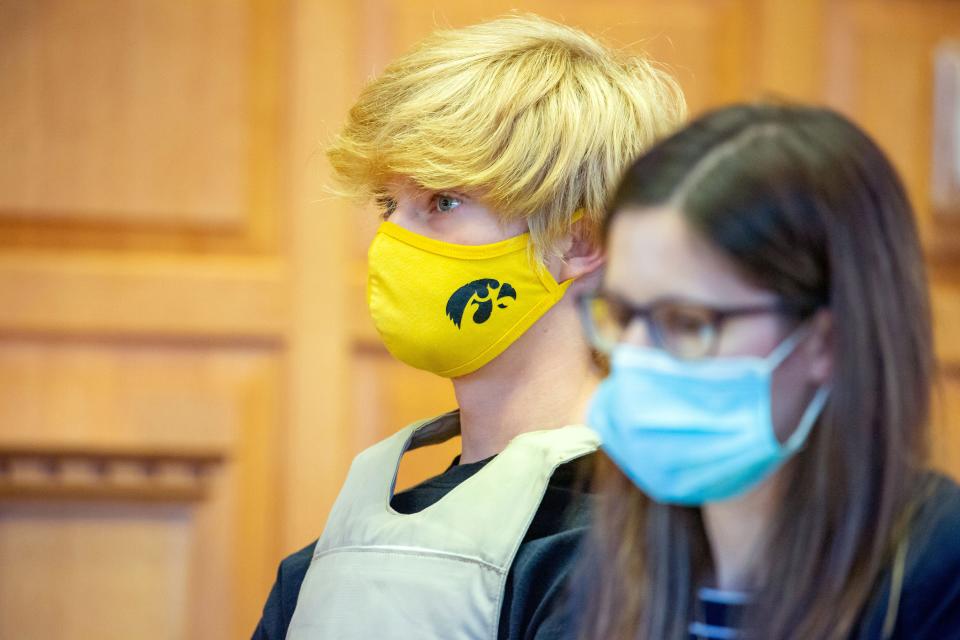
479 293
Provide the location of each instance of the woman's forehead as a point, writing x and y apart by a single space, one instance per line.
654 253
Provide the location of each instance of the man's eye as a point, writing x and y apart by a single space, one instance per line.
446 203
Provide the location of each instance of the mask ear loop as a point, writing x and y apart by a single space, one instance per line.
789 344
817 403
809 418
546 278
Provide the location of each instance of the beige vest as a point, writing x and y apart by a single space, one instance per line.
434 575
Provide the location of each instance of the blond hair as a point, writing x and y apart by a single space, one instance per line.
537 117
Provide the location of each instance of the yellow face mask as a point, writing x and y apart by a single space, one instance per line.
450 308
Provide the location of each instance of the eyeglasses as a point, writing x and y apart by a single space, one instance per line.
685 330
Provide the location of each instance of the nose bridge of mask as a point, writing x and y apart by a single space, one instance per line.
451 308
451 250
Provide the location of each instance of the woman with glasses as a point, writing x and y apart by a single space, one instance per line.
766 318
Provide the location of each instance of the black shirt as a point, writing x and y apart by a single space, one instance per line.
537 578
929 604
929 607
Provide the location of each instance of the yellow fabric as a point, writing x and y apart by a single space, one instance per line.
449 308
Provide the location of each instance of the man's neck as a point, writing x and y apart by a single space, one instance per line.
543 381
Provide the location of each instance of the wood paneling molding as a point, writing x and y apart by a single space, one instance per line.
230 298
73 472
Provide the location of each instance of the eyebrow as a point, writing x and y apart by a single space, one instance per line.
451 192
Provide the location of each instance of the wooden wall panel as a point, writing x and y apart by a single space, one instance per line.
945 295
316 444
137 124
175 276
98 393
145 234
218 550
879 71
881 74
388 395
102 293
172 79
102 571
147 312
789 57
945 427
701 41
945 443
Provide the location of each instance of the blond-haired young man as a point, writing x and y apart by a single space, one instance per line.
492 150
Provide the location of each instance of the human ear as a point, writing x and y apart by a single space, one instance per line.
583 255
819 347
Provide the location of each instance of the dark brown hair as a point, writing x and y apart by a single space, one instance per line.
807 206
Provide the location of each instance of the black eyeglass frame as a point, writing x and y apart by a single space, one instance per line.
716 317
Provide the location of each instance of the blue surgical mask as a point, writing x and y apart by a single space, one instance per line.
688 432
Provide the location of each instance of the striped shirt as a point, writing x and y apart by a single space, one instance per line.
717 615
